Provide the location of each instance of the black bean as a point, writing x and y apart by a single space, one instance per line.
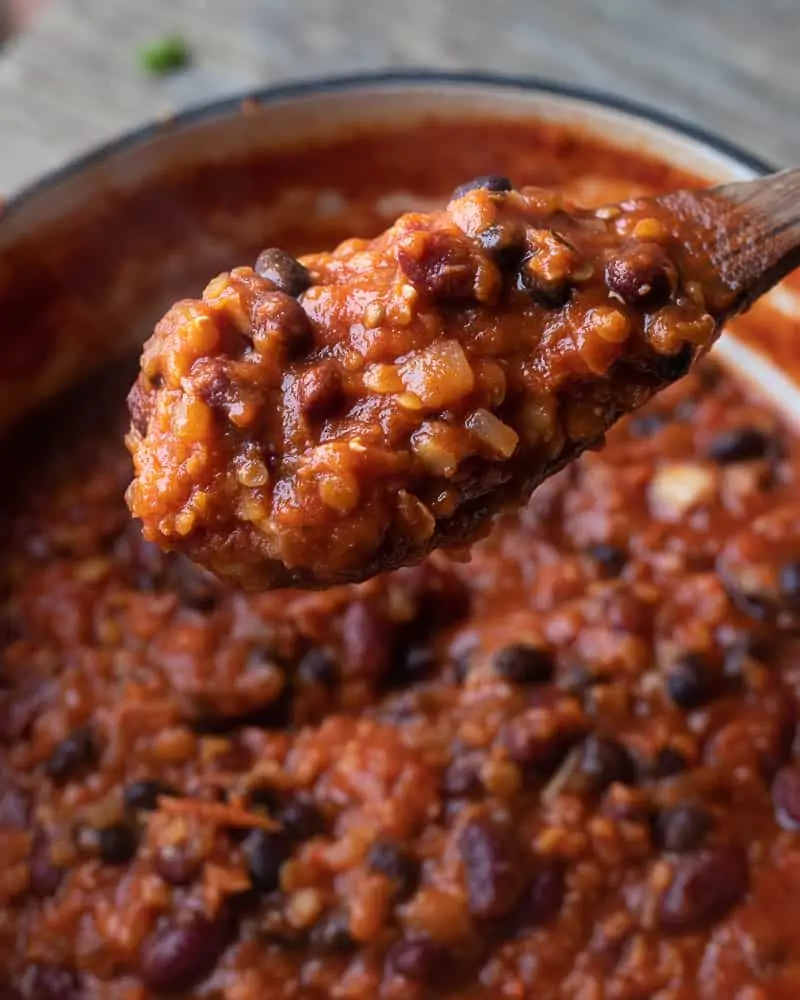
265 852
505 244
683 827
786 797
610 558
300 818
412 663
537 753
739 444
552 294
332 933
544 897
143 795
286 273
668 763
492 867
52 982
416 959
319 666
265 797
689 681
705 886
665 368
489 182
604 761
74 753
367 639
641 274
117 843
176 865
179 956
524 664
398 864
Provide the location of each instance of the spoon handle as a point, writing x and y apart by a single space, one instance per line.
751 231
771 211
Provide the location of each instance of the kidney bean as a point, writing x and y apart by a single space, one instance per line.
544 897
643 273
179 956
492 867
705 886
416 959
444 271
367 641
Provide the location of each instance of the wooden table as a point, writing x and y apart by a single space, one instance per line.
75 80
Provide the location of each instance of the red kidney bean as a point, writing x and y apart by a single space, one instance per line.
492 867
179 956
705 886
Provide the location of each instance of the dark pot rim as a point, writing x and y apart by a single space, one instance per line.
268 95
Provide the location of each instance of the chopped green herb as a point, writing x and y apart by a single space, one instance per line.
165 55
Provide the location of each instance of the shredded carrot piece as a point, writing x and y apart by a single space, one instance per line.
216 813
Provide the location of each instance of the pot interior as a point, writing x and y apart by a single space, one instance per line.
90 260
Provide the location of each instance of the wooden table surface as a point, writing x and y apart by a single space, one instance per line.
74 78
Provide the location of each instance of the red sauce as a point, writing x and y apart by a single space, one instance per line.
564 770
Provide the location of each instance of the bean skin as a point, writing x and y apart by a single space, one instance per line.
179 956
492 866
284 271
705 886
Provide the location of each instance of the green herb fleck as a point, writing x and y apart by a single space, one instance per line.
165 55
